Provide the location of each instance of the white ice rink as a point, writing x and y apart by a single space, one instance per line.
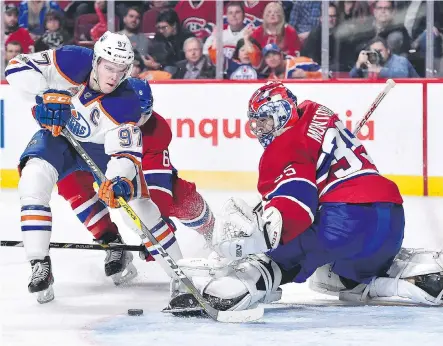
89 310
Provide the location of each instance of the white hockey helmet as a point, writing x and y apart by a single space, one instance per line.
115 48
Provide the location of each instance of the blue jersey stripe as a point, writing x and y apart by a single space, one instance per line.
97 207
36 228
300 190
198 222
165 246
133 153
17 69
30 63
163 180
36 207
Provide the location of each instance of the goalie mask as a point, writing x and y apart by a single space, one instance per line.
271 110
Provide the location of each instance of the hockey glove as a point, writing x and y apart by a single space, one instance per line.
111 190
53 110
240 232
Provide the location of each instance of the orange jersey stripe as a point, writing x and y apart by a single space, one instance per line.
160 237
36 218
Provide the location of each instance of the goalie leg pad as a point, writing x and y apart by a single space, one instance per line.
249 282
416 276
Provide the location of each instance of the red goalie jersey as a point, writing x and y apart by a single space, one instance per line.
315 161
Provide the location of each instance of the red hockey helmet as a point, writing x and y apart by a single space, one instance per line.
271 109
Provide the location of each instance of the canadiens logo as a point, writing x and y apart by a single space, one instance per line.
78 125
194 25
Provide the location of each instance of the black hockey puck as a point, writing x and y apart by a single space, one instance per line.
135 312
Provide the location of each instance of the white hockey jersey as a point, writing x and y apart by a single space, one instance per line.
107 119
230 40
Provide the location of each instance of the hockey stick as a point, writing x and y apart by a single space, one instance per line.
146 235
388 86
77 246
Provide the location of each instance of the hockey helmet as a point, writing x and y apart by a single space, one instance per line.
144 93
271 110
115 48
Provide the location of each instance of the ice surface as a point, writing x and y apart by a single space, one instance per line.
90 310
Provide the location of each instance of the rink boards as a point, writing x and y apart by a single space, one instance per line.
213 146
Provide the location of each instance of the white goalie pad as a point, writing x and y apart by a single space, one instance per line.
235 282
212 267
407 280
412 262
240 232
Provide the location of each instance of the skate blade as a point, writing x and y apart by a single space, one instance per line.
125 276
184 311
45 296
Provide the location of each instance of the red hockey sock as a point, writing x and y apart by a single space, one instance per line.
77 189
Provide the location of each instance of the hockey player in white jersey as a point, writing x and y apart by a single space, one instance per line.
87 92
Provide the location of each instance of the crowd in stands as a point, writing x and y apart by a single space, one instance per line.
261 39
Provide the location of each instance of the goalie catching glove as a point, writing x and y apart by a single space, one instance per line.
240 232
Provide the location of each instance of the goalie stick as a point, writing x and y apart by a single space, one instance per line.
388 86
79 246
146 235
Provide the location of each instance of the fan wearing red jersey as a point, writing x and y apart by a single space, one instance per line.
326 207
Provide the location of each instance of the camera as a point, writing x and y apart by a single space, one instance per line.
374 57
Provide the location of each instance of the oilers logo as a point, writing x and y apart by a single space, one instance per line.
78 125
244 72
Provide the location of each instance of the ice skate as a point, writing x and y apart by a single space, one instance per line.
118 264
41 280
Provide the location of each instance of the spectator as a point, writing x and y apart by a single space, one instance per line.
234 32
32 15
13 49
131 28
246 58
55 36
150 16
13 33
254 12
280 67
381 63
356 11
304 17
383 25
102 26
197 17
414 13
313 44
138 67
167 48
275 30
196 65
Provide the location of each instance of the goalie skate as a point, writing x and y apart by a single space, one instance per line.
184 305
41 280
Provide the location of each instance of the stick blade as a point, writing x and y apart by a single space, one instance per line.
243 316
